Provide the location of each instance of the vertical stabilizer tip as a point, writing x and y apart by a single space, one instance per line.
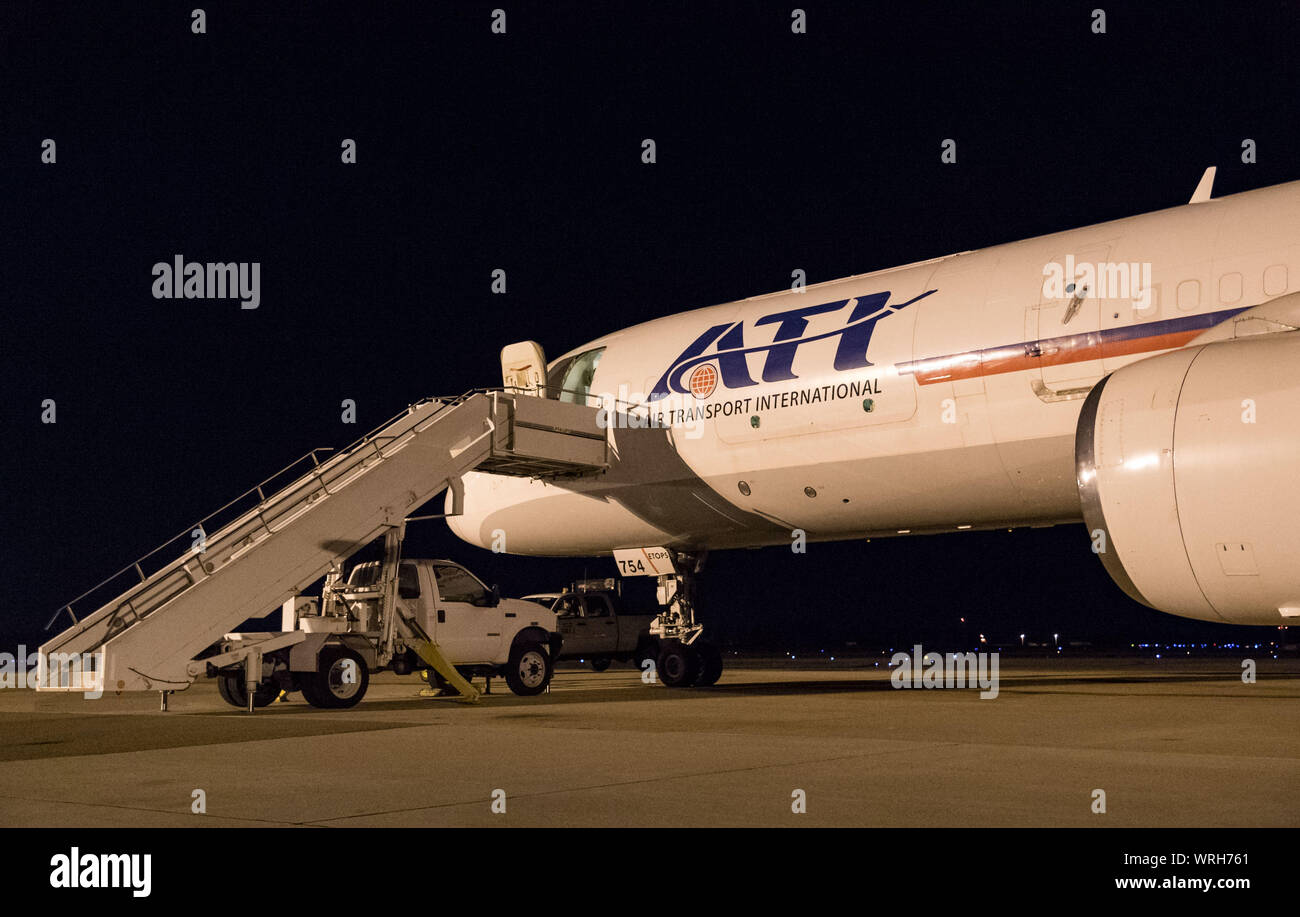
1203 189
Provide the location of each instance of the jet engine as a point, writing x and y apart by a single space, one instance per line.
1188 467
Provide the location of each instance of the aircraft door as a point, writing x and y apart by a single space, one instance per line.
1063 327
523 368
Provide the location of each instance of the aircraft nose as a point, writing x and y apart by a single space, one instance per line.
468 525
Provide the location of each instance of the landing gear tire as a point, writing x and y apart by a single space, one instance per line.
678 665
710 666
529 670
339 682
230 685
600 665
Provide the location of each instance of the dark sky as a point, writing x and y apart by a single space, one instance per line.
522 151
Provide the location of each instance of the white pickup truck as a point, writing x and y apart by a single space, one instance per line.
347 636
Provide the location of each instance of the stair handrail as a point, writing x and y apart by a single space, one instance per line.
264 499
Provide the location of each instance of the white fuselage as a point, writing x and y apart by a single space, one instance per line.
934 397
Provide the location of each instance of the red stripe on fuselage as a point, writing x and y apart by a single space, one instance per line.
1014 358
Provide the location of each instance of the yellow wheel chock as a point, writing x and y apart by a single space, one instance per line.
429 652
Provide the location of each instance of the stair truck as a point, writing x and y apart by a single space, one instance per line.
169 620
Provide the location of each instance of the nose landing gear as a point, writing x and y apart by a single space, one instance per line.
684 659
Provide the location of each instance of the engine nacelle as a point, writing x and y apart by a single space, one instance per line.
1188 466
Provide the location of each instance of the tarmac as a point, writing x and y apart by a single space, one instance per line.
1170 742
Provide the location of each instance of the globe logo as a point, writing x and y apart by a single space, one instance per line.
703 381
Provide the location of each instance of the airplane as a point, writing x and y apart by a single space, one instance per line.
1138 375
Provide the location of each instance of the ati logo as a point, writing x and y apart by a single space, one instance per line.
724 345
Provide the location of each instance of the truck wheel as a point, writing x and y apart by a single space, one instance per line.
224 691
600 663
230 685
340 679
710 666
678 665
529 670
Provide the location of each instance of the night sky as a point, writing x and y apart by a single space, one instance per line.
522 151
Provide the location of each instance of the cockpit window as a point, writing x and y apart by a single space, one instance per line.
555 376
572 377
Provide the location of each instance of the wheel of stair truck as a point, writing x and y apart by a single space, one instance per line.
529 670
230 685
679 665
340 679
600 663
710 665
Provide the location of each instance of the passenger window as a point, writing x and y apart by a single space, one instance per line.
1189 295
576 382
457 585
1230 287
408 582
1275 280
597 607
568 607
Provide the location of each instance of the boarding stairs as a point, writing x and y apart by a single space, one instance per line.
273 541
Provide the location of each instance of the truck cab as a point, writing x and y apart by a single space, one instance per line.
599 626
473 626
466 618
